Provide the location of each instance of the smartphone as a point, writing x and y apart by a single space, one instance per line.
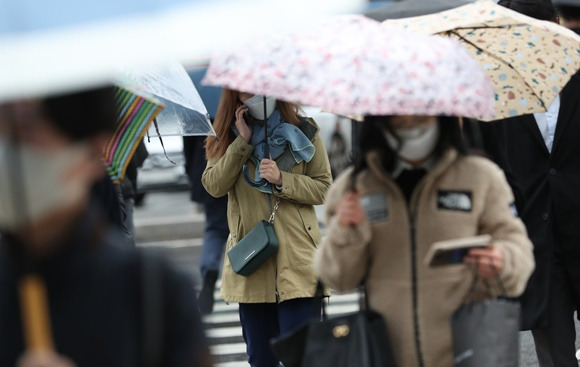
454 251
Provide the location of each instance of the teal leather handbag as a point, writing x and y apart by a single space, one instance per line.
256 247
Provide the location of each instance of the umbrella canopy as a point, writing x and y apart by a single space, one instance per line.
528 60
352 65
135 114
64 45
413 8
184 113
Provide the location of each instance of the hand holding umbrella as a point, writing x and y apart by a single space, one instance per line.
270 172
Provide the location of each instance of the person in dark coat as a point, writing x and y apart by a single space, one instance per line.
215 209
216 221
541 152
107 304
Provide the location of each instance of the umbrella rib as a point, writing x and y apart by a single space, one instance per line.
488 27
502 61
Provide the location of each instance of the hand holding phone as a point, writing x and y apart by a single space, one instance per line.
455 251
244 129
489 260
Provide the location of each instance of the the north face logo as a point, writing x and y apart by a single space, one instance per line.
455 200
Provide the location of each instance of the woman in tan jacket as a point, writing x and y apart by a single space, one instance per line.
416 185
279 295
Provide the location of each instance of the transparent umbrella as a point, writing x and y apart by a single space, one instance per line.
184 113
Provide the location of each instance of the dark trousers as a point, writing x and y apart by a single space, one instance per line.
215 235
264 321
555 345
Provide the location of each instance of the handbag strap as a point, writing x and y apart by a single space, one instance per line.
274 210
473 285
319 293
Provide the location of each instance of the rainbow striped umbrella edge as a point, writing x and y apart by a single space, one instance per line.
135 113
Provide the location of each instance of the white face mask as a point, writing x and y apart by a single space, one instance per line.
256 106
44 185
416 143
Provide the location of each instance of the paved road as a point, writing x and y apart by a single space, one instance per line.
174 210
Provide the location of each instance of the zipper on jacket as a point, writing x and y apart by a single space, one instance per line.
414 291
413 210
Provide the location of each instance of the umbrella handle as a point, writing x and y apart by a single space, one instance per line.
259 183
35 314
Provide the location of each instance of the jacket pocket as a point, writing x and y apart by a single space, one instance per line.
310 223
301 237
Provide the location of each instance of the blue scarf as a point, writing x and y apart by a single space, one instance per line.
280 135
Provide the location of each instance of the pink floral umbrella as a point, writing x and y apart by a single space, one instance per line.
352 65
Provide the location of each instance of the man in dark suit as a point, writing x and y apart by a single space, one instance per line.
541 152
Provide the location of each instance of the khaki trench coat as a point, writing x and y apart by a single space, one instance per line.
460 197
289 274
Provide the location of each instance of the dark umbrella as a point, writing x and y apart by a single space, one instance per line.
414 8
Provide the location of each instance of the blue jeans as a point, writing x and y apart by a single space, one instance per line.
216 234
264 321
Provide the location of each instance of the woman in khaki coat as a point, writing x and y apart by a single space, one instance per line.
416 185
279 295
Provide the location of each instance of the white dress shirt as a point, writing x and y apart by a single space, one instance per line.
547 122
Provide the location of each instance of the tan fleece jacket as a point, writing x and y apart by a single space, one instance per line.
462 196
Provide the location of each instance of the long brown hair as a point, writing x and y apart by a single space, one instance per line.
225 118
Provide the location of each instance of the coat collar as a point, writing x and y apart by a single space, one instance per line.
376 166
532 125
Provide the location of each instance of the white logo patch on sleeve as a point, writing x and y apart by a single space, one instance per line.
375 207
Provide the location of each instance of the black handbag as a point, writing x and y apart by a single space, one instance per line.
486 333
256 247
358 339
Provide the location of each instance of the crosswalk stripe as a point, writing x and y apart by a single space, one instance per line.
341 309
232 364
224 332
224 307
221 318
232 348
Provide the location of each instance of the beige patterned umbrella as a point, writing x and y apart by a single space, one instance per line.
529 61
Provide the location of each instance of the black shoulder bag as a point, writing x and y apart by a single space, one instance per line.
357 339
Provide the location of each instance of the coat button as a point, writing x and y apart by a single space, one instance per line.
552 172
309 228
545 216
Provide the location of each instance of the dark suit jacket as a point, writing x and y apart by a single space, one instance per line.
548 190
